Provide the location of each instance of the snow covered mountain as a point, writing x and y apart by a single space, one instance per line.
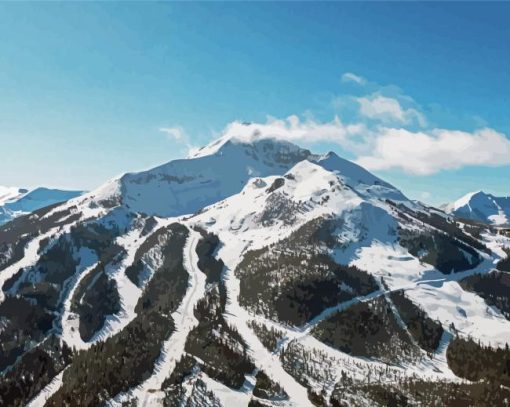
18 201
253 273
482 207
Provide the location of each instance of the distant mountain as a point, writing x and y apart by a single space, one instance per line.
254 273
482 207
18 201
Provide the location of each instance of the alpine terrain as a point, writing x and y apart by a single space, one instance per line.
255 273
482 207
18 201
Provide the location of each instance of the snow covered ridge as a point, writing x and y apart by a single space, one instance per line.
482 207
220 170
254 273
18 201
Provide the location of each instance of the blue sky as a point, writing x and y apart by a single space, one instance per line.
86 87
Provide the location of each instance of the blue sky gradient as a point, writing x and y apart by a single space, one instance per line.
85 87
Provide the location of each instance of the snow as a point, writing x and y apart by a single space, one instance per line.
482 207
8 194
364 182
496 243
128 292
70 321
471 316
439 295
228 181
49 390
15 202
368 237
237 218
263 359
463 201
30 257
173 348
184 186
227 396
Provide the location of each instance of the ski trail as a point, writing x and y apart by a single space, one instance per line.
31 250
49 390
149 392
70 322
265 360
396 314
30 257
446 338
128 292
128 295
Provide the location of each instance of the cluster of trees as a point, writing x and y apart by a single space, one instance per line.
219 346
413 391
443 223
367 329
33 371
310 367
269 337
172 385
157 239
426 331
440 250
475 361
294 280
265 388
98 299
115 365
221 351
15 234
127 358
504 264
493 287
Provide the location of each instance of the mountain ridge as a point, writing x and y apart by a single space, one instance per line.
18 201
256 272
483 207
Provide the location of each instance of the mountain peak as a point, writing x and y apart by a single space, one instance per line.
18 201
244 135
215 172
481 206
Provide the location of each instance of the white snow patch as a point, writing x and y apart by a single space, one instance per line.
49 390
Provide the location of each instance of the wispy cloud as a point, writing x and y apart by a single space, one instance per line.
174 133
388 110
351 77
179 135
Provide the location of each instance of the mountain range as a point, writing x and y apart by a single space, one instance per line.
254 273
482 207
18 201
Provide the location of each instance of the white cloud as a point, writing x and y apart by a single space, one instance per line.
350 77
425 153
388 110
175 133
179 135
386 130
294 129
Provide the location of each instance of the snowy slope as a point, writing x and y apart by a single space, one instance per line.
185 186
253 195
483 207
10 193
